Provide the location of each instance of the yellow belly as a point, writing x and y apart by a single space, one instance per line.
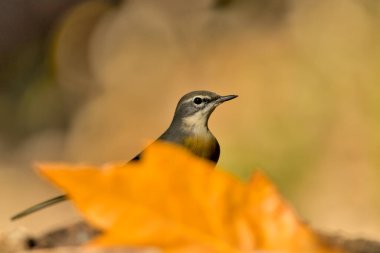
201 146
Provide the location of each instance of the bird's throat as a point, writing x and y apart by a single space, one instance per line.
199 139
196 124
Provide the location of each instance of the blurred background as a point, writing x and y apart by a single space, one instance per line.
95 81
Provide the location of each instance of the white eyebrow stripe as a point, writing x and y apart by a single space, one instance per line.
199 96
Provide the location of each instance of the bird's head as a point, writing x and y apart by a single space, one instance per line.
195 108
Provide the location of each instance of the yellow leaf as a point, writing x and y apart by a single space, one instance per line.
177 202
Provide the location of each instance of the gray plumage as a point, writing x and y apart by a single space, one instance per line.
189 128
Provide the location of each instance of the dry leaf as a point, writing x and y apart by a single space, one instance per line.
177 202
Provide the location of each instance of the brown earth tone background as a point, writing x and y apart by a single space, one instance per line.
95 81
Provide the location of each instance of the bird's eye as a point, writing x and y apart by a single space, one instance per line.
197 100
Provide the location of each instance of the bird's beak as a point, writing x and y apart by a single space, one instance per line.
223 99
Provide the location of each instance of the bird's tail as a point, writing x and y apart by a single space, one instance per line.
39 206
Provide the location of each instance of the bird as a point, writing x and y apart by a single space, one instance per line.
189 129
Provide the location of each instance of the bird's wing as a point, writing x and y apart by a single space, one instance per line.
39 206
136 158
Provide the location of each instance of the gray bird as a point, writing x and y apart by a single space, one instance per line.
189 128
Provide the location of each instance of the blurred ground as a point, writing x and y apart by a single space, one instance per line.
103 79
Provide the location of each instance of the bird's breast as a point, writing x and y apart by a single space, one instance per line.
205 146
